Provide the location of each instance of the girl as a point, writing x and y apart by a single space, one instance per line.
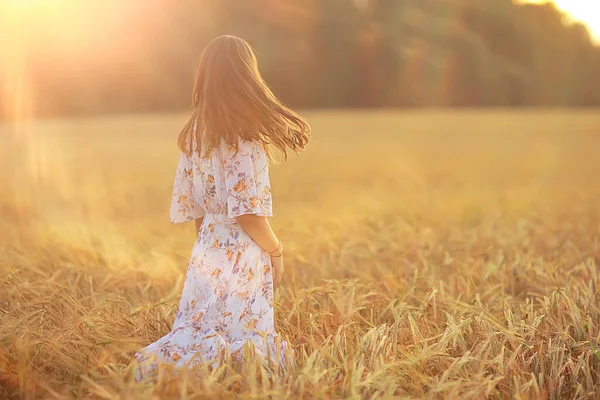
222 184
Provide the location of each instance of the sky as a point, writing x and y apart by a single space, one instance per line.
586 11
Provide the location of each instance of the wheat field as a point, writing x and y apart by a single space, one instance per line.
429 254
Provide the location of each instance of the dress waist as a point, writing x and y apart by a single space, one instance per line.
216 217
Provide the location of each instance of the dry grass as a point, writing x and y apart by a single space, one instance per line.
430 255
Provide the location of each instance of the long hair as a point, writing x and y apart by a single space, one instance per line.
232 101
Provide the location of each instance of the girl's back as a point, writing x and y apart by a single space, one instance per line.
226 181
222 184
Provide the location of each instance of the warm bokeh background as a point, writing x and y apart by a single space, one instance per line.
73 57
430 252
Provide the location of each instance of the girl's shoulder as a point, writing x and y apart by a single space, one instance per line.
248 154
242 147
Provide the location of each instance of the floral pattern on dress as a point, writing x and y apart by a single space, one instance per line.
227 298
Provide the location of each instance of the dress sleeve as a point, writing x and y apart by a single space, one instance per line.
247 181
184 207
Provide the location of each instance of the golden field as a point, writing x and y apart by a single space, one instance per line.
429 254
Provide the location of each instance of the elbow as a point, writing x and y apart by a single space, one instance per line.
246 220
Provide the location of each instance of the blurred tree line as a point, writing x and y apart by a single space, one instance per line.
346 53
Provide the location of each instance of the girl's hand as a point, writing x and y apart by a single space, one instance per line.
277 263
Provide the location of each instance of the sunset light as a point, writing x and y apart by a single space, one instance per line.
585 11
67 36
431 167
64 24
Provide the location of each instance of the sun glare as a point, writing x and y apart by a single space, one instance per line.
32 9
585 11
26 3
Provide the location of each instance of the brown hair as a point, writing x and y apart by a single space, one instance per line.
232 101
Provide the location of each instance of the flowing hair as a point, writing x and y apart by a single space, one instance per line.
232 101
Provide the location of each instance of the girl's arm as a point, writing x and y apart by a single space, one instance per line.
259 229
198 223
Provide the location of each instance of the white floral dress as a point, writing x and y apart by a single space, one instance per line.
227 298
